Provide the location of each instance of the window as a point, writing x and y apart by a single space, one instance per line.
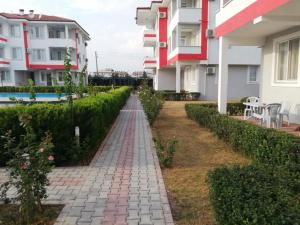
60 76
79 58
36 32
43 77
1 28
56 31
16 53
190 3
4 76
38 55
287 65
2 55
252 74
15 31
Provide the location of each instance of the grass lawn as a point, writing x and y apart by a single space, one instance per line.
198 151
9 215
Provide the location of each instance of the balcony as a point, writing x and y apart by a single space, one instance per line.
150 63
4 63
186 15
149 38
3 39
231 8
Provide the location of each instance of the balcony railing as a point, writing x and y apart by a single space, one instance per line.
4 63
150 63
149 38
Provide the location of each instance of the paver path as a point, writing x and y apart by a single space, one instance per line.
122 185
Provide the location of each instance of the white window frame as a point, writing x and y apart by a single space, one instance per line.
41 77
276 43
248 75
40 31
19 30
21 54
43 54
57 76
7 77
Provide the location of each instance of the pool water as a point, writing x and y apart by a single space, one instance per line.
27 95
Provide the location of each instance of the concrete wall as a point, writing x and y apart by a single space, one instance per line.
238 86
271 92
165 79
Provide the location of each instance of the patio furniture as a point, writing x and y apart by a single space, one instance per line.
269 115
284 112
250 103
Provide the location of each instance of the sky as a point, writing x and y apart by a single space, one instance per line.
110 23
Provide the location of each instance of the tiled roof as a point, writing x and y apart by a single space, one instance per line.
36 17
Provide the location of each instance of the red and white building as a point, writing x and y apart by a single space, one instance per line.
33 46
273 25
185 51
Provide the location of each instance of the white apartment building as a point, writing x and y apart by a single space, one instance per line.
186 53
33 46
275 26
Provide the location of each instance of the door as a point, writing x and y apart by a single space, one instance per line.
49 79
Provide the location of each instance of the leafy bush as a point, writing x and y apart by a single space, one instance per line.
182 96
31 161
166 152
152 102
264 145
260 194
50 89
94 116
254 195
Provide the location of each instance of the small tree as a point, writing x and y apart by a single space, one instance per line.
31 90
81 86
31 161
69 85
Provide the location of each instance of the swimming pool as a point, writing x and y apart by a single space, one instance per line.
27 95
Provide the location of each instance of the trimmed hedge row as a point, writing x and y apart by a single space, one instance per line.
260 194
233 108
263 145
50 89
94 115
255 195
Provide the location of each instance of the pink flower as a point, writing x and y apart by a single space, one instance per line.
41 150
51 158
24 166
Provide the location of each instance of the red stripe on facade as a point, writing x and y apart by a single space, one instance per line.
163 37
55 67
149 61
4 62
149 35
25 30
204 25
257 9
3 39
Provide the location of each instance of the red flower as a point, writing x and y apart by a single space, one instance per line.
51 158
24 166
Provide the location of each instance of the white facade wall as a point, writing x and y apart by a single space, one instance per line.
271 93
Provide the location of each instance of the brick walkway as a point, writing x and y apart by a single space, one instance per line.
122 185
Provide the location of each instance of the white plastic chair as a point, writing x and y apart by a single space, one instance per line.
285 112
249 110
269 115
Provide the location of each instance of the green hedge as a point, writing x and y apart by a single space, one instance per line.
263 193
50 89
255 195
94 115
263 145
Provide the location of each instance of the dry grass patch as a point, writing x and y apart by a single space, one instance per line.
198 151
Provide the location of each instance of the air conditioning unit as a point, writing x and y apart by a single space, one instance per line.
210 70
210 33
162 15
162 44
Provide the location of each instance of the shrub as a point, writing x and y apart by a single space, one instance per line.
166 152
182 96
30 163
94 116
254 195
261 144
152 103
